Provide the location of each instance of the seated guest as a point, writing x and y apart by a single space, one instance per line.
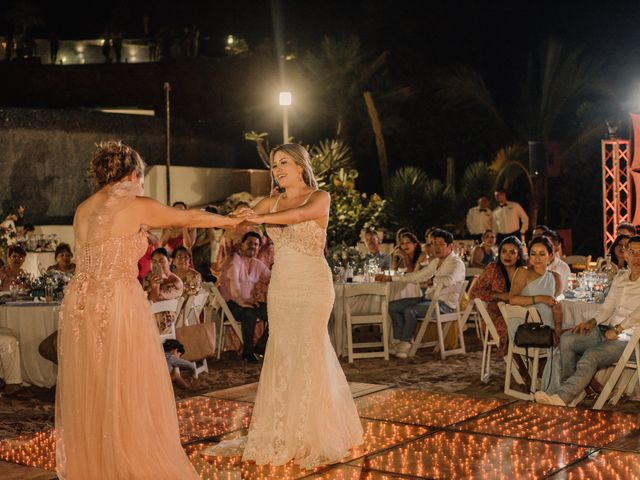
427 250
616 253
10 362
447 270
557 264
63 258
144 264
240 276
267 254
626 228
372 241
12 273
173 238
599 342
161 284
205 248
407 253
483 254
191 279
539 231
494 283
173 351
536 285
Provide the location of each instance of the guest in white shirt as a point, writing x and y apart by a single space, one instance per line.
587 348
509 218
479 218
557 264
446 270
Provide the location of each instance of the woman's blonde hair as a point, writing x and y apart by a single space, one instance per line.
112 161
300 156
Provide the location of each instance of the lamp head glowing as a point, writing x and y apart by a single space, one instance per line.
285 98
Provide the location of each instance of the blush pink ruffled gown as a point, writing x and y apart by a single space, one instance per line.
115 408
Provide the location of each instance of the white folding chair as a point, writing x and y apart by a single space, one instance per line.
440 319
225 319
490 338
535 354
470 312
473 271
173 305
193 306
617 380
381 291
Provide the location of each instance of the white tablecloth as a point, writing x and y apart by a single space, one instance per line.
578 311
35 259
31 324
337 323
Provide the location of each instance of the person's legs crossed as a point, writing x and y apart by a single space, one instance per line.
396 312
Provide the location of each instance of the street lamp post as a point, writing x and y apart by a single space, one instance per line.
285 102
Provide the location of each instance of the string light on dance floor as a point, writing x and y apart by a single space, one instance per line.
35 450
203 417
605 465
423 408
377 437
461 455
578 426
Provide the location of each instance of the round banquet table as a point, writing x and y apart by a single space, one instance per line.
31 323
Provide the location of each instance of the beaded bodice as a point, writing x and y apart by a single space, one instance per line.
103 254
306 237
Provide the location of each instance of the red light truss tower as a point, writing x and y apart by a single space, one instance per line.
616 180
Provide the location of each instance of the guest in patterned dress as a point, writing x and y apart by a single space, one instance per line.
494 283
162 284
183 268
12 272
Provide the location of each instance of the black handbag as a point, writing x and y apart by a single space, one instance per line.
533 334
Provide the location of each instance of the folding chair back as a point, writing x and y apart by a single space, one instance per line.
615 380
510 312
443 322
225 319
174 305
381 318
193 307
490 338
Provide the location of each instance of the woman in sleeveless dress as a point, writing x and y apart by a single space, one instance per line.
304 409
537 286
115 408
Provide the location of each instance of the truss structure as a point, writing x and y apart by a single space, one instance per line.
616 186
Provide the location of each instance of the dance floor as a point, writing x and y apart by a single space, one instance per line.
408 434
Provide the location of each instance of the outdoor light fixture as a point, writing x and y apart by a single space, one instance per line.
285 101
231 40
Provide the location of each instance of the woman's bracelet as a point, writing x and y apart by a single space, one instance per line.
533 300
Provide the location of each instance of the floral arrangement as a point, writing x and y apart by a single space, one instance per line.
52 278
341 255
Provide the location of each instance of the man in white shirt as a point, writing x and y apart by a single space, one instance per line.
447 270
509 218
599 342
479 218
558 265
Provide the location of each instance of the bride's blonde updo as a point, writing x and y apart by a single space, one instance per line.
113 161
299 155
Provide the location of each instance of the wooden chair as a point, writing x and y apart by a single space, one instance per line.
381 291
534 354
617 380
490 338
440 319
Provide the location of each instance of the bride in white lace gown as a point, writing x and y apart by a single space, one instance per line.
304 409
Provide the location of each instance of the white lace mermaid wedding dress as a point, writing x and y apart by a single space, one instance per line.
304 409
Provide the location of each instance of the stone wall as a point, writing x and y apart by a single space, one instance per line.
44 154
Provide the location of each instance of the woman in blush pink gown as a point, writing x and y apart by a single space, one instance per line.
115 408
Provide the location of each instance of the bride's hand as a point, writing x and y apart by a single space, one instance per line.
255 219
243 212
